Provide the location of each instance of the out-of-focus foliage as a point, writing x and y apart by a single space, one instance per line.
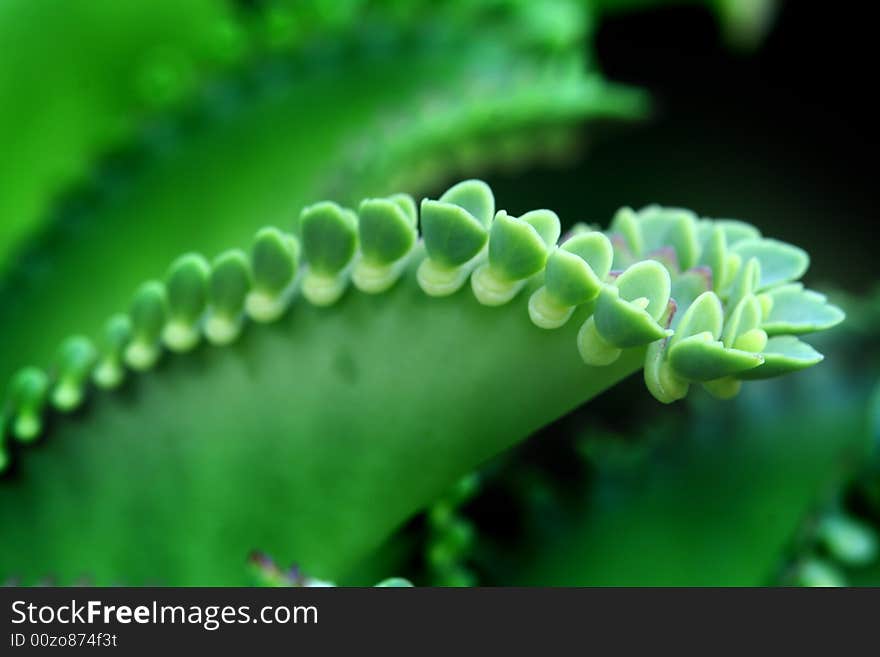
78 76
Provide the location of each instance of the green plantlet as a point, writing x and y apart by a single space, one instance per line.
110 368
76 358
330 238
724 325
745 281
274 260
455 230
230 281
28 393
149 313
387 232
627 313
573 276
518 249
630 242
697 354
780 262
357 409
793 310
783 354
714 256
187 287
662 228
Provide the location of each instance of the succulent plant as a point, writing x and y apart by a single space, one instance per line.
305 376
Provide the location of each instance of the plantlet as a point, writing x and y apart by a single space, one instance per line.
355 408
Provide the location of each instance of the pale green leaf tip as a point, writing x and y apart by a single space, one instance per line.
474 196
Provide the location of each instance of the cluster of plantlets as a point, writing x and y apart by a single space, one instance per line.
714 302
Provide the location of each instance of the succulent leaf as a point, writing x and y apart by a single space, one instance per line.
274 260
625 323
329 236
736 231
387 235
387 230
687 287
780 262
714 255
670 227
110 368
573 276
76 358
704 315
229 286
626 224
28 393
149 312
627 311
746 316
746 281
783 354
518 249
474 197
702 358
455 231
795 311
187 288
